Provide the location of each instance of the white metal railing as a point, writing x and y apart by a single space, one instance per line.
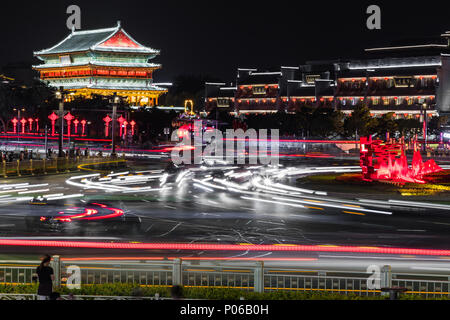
220 274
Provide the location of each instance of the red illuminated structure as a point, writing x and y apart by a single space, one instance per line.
88 62
125 123
23 122
132 123
83 125
69 117
14 121
53 117
121 120
76 122
30 122
382 161
107 120
37 124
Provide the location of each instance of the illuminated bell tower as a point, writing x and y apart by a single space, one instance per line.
101 62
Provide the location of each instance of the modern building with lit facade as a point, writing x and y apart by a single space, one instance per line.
102 62
403 79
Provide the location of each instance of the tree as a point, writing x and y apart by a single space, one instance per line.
435 123
386 123
360 120
326 122
408 127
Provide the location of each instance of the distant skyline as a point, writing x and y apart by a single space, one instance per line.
216 37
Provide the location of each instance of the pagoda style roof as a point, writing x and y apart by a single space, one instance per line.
260 78
110 40
101 64
111 87
388 72
303 91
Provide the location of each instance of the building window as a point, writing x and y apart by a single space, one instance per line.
398 101
410 101
375 101
353 101
389 83
386 101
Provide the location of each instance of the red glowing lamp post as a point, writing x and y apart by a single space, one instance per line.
30 122
125 123
69 119
14 121
37 124
76 122
132 123
107 120
83 125
53 117
23 122
121 120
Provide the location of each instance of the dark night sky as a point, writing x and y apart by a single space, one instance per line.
216 37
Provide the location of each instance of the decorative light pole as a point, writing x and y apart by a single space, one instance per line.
107 120
83 125
76 122
69 117
37 124
30 122
14 121
60 96
132 123
425 120
125 123
53 117
120 120
18 112
23 121
116 100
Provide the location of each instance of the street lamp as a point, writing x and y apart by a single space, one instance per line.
18 116
425 120
116 100
60 95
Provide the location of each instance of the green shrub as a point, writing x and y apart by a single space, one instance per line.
209 293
